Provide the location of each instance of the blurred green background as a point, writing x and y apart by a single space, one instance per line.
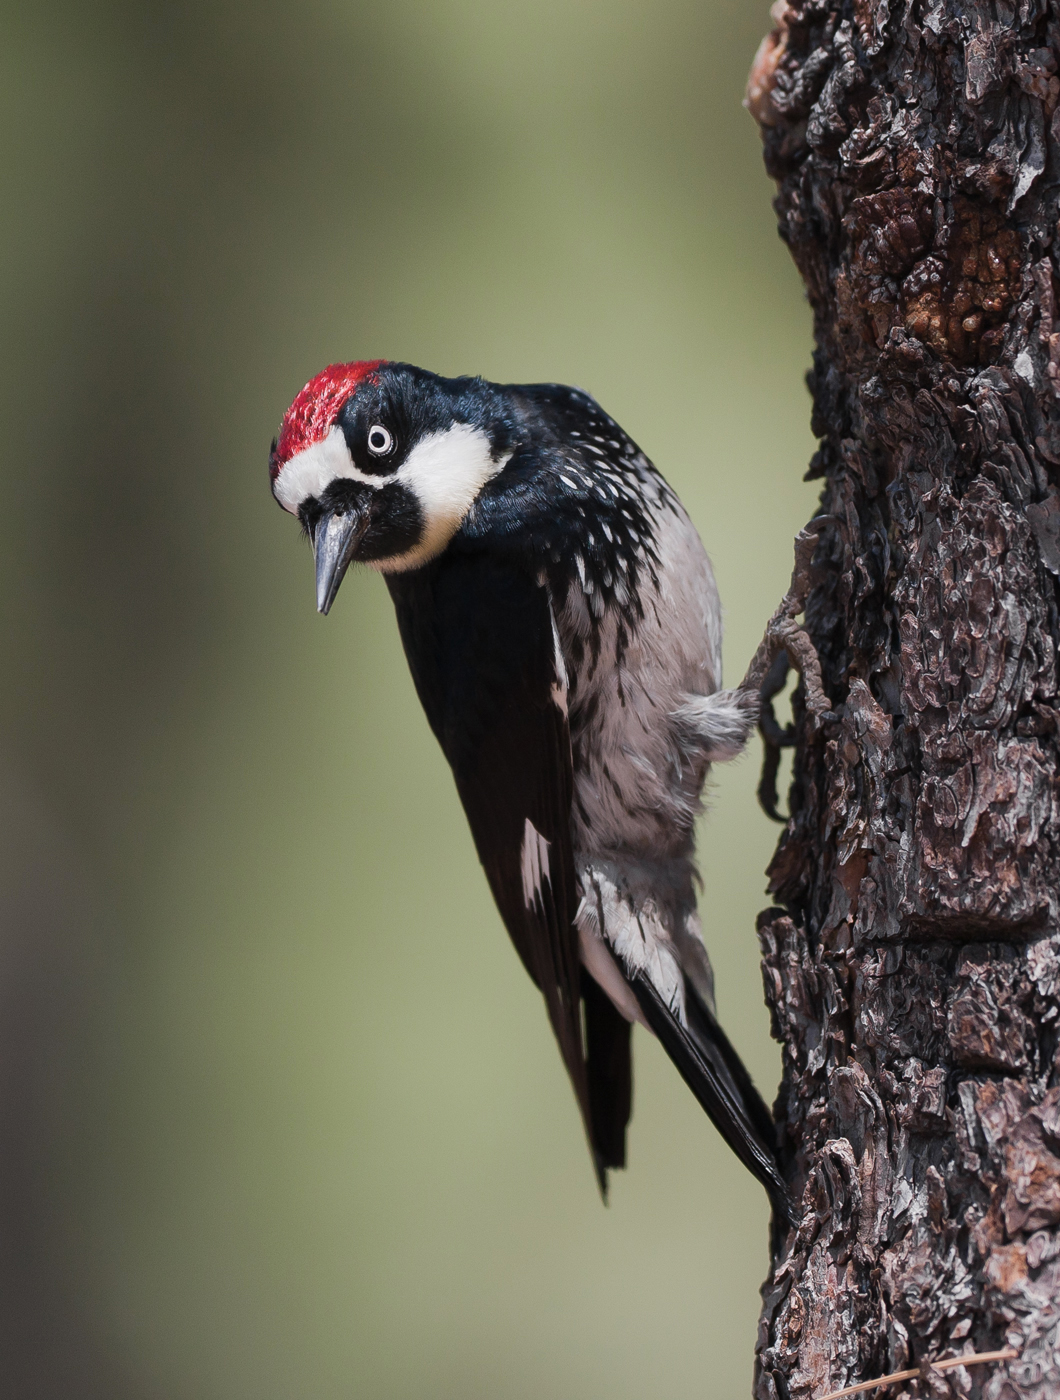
280 1113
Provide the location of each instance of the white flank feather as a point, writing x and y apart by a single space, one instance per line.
636 934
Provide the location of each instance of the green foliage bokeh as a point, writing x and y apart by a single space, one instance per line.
300 1131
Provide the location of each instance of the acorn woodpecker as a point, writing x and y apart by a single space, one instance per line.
563 629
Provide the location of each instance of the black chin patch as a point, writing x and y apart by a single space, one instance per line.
397 523
395 520
343 495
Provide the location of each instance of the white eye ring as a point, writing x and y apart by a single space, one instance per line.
379 440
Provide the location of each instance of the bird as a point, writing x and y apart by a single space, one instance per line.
562 625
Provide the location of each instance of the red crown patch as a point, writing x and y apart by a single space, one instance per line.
316 407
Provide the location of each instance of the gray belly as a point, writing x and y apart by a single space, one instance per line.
639 765
646 720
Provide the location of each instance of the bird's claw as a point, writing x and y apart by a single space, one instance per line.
784 643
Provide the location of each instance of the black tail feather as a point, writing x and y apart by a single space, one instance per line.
708 1034
610 1074
714 1072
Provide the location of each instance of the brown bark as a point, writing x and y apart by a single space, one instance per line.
912 963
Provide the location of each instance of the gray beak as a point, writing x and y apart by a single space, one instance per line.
335 540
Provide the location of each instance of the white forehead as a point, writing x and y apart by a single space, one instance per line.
445 471
311 471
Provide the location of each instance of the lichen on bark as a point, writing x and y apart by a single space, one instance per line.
912 958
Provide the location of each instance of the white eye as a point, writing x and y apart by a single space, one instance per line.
379 440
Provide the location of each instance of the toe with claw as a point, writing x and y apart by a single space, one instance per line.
784 643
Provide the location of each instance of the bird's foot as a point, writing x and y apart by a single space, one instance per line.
774 738
784 643
784 637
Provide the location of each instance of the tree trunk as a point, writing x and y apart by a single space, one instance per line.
913 962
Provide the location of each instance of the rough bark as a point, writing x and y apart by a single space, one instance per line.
912 961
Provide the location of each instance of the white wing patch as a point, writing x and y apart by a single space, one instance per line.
534 865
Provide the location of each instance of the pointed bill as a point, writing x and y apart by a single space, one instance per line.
335 541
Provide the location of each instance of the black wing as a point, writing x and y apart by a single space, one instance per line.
479 637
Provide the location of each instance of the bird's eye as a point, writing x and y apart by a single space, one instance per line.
379 440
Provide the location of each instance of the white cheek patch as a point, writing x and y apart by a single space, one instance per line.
311 471
444 472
